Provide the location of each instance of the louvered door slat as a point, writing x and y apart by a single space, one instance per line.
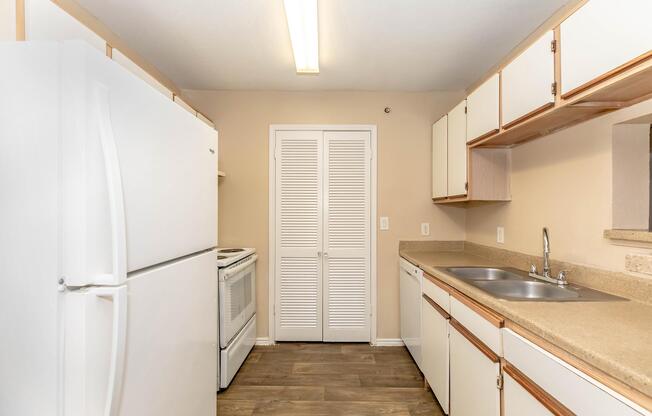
298 234
347 230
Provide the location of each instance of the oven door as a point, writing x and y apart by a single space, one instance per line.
237 292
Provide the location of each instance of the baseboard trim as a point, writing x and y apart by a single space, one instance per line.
389 342
264 341
380 342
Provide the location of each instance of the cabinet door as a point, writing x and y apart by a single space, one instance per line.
473 377
601 37
518 401
527 81
44 20
457 150
482 113
434 350
440 158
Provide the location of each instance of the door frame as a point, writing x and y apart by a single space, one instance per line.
273 128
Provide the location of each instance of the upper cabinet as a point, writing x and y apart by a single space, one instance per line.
600 38
528 81
44 20
457 150
483 114
440 158
592 57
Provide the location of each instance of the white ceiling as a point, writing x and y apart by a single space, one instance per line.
409 45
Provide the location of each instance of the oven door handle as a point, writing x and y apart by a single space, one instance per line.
237 269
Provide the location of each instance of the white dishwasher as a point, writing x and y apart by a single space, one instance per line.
410 298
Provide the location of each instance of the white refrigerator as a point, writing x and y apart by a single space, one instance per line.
108 224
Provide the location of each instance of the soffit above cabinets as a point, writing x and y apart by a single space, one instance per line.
409 45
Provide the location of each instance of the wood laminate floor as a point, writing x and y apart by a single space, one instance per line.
327 379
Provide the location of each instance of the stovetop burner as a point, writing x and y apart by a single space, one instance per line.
230 250
222 257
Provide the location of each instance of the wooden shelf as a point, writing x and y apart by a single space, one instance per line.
627 86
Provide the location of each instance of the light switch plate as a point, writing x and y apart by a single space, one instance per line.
425 228
384 223
500 235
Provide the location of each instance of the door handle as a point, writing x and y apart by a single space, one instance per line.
118 346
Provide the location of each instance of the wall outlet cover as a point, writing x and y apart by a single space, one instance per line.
384 223
500 235
425 228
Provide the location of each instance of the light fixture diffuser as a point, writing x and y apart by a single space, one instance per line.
303 26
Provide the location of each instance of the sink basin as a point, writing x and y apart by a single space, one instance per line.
527 290
513 284
483 273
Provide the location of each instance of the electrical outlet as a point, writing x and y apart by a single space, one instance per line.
500 235
384 223
425 228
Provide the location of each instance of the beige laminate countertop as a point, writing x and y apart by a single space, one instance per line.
614 336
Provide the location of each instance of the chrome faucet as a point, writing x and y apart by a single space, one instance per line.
546 253
546 276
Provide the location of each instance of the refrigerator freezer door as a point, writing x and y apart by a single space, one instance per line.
139 182
171 365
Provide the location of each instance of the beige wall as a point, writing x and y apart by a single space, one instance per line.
631 176
563 181
404 184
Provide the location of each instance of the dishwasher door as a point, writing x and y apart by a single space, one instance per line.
410 297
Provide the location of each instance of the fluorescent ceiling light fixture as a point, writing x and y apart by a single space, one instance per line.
302 23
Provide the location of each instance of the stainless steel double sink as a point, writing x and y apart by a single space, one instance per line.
513 284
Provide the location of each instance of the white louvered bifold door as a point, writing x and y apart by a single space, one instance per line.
299 192
347 207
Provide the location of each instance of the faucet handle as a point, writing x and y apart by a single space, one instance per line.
533 268
561 277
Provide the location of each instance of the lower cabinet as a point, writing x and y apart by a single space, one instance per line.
434 349
517 401
462 343
474 375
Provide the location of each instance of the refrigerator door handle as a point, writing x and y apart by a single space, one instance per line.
114 186
118 346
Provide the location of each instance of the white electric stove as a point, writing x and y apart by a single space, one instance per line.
228 256
237 309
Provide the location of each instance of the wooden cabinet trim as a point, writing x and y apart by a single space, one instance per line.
481 346
618 386
94 24
528 115
436 307
491 316
622 68
495 319
443 286
549 402
20 19
483 136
